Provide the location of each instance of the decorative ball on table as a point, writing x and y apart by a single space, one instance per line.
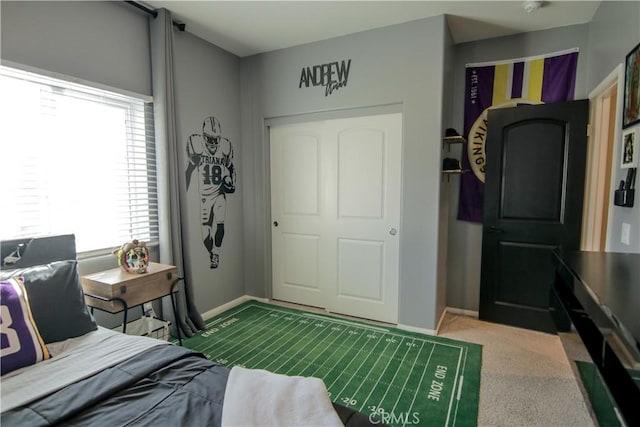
133 256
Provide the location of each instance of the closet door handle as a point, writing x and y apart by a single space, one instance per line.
275 223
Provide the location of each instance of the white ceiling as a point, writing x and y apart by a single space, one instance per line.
249 27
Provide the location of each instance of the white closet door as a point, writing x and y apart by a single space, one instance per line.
336 199
365 205
297 213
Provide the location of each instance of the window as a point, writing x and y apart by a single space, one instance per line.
75 159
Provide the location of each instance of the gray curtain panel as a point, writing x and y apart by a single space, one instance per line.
171 252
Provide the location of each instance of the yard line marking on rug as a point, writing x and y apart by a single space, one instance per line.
259 315
295 330
247 331
210 324
361 354
332 318
346 322
253 345
361 363
372 369
341 358
313 362
452 399
396 372
407 379
388 331
243 330
212 327
219 319
374 408
413 394
238 331
321 338
454 388
338 362
248 328
286 344
299 350
354 325
464 365
318 339
361 326
249 306
460 386
386 367
319 354
269 353
324 353
266 338
328 319
424 371
248 325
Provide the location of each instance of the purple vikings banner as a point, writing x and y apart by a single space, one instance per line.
534 80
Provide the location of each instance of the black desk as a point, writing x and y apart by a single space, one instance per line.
599 293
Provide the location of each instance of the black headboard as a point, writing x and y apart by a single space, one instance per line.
39 250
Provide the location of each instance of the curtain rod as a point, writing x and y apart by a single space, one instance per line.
179 25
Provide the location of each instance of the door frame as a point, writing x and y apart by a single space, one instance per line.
598 183
313 117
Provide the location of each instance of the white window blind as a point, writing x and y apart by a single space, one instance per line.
75 159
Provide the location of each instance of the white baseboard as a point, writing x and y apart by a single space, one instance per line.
462 312
444 312
416 329
224 307
265 300
424 330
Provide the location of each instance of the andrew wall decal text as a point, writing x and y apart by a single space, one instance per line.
332 76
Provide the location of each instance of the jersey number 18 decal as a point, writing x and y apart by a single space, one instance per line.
212 175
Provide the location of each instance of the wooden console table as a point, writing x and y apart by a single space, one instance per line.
115 290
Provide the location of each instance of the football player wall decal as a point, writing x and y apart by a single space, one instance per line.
211 155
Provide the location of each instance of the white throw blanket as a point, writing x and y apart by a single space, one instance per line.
255 397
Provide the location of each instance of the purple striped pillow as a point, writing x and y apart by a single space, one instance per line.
21 343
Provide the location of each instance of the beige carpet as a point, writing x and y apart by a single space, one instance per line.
526 378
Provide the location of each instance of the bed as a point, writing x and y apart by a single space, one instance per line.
74 372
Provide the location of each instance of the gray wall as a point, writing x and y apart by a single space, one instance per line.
108 43
443 227
207 83
613 32
405 65
603 44
465 238
400 65
102 42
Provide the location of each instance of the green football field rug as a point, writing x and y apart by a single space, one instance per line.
395 376
599 396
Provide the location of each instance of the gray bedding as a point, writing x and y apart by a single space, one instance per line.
162 386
